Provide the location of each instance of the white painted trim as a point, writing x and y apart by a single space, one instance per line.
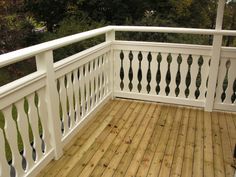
44 63
163 47
215 57
79 56
16 90
225 107
162 99
228 52
111 36
174 30
66 139
74 61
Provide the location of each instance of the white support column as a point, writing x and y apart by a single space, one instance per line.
215 59
110 37
44 62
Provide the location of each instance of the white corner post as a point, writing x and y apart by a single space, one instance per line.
215 58
44 62
110 37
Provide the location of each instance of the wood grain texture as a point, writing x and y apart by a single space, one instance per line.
135 138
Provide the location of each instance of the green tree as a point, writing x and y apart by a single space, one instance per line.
49 11
16 32
15 28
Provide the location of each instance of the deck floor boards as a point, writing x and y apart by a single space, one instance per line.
134 138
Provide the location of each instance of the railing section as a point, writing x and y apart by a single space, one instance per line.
171 73
83 83
41 112
24 134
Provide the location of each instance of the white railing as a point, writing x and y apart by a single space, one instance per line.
41 112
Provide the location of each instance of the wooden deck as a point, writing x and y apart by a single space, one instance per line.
131 138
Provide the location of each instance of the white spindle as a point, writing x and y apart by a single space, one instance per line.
135 66
154 66
103 75
107 75
92 82
204 76
4 167
117 66
70 95
87 81
11 135
173 72
43 114
163 68
63 100
96 73
34 119
76 93
231 78
183 74
144 68
82 86
100 79
222 72
194 71
126 71
23 127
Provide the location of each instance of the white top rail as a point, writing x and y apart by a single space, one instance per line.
174 30
19 55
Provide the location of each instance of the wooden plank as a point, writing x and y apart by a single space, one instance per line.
153 143
217 147
234 118
133 167
226 146
117 123
63 168
189 146
129 139
231 129
103 163
116 136
198 150
180 146
171 145
128 154
160 150
208 146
